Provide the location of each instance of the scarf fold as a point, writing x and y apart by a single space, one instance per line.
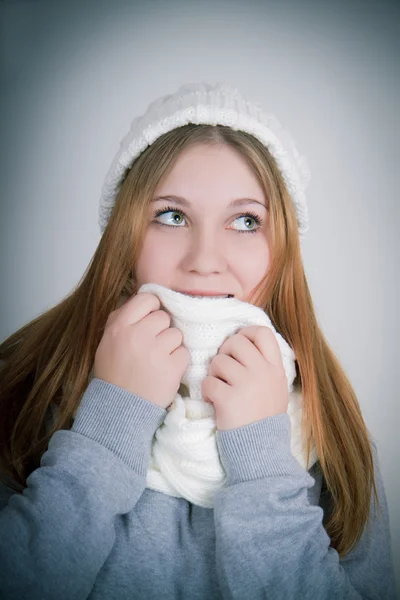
184 459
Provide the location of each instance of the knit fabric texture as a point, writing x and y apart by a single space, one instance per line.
185 460
219 104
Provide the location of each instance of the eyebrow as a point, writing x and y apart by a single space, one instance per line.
184 202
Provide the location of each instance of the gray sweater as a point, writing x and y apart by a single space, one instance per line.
87 527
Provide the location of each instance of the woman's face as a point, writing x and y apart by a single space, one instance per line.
206 244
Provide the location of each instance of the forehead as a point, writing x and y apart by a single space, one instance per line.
218 172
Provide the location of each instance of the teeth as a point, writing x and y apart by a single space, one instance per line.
214 297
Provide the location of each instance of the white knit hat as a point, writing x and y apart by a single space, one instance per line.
220 104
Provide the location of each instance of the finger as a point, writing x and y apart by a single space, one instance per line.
212 388
226 368
265 341
137 307
241 348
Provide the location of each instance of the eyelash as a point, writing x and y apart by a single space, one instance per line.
168 209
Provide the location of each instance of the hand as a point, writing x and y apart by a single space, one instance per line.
246 380
140 351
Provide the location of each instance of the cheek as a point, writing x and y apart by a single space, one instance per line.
262 261
157 255
253 259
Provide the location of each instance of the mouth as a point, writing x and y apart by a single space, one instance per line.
214 297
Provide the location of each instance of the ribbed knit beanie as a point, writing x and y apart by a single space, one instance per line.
219 104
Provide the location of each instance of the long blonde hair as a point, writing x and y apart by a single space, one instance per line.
49 360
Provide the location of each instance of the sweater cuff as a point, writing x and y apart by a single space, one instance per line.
119 420
258 450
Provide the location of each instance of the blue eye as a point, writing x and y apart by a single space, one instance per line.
250 215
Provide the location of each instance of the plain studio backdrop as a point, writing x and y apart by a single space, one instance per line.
75 74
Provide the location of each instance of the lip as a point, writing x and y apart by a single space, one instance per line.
203 293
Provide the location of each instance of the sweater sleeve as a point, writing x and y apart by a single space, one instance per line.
57 534
270 541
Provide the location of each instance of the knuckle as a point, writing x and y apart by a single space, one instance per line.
218 359
204 383
178 333
264 333
164 315
146 296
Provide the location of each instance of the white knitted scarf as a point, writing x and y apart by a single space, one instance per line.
184 459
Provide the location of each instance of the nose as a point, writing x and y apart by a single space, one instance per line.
206 251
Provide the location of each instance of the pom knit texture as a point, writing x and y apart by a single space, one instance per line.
219 104
185 460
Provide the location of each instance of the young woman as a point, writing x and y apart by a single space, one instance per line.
99 497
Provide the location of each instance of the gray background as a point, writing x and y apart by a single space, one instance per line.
74 75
